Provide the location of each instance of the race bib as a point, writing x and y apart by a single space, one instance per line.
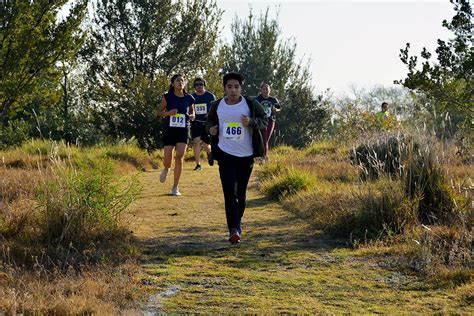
201 108
233 131
178 120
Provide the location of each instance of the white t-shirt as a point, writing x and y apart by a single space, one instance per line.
234 138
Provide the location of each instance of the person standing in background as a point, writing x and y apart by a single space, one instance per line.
383 114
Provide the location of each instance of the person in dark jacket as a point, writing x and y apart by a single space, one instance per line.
234 123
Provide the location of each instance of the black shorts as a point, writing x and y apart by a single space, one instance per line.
174 135
198 129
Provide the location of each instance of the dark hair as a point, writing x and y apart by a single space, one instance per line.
264 84
384 103
233 75
199 79
171 89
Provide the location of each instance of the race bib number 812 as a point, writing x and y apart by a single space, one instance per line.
178 120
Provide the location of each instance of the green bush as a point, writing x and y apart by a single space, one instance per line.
424 178
271 170
288 183
14 133
78 205
381 210
37 147
322 148
282 150
129 152
371 211
49 148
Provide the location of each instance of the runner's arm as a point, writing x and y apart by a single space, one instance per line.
212 119
191 112
162 109
260 119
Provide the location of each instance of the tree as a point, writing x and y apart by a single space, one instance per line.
258 52
447 83
262 56
134 48
33 41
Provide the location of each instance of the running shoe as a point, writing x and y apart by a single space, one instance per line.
197 168
175 191
163 175
234 238
210 159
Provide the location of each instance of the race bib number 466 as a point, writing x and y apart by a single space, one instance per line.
233 131
201 108
178 120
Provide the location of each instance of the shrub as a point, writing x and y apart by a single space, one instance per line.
271 170
282 150
322 148
37 147
435 247
419 168
383 155
381 209
424 178
78 205
49 148
14 133
128 153
288 184
371 211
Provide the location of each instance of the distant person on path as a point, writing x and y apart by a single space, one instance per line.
383 114
177 108
271 107
203 99
234 123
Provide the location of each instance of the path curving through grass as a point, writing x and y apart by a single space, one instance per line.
281 266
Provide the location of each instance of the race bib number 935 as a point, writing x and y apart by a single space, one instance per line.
178 120
233 131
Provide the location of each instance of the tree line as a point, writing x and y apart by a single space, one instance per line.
88 72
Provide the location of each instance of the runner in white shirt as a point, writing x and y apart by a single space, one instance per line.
234 124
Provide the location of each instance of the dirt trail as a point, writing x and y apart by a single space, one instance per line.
282 265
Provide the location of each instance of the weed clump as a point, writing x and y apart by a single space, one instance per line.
287 184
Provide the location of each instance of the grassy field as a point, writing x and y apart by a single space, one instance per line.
177 259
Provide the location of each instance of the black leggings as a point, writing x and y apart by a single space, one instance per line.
235 174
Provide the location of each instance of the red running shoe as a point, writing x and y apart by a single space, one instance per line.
234 238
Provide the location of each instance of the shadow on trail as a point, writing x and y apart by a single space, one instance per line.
257 202
264 244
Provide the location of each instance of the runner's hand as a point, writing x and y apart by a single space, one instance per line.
172 112
213 130
192 116
245 120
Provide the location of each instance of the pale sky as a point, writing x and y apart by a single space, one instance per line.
352 41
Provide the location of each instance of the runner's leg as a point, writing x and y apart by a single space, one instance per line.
197 150
168 155
178 160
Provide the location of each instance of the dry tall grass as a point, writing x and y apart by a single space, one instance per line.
63 241
399 189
